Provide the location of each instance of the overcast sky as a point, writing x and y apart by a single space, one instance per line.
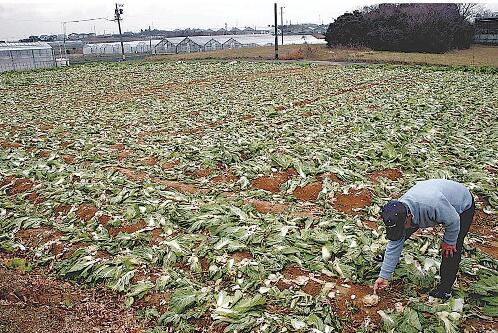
20 18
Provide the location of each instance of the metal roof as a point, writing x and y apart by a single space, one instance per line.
24 46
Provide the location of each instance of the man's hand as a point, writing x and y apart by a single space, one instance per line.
448 250
380 284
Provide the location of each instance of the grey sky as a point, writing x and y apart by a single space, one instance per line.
19 19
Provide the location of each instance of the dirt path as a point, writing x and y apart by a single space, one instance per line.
34 303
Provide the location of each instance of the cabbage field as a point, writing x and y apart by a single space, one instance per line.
243 196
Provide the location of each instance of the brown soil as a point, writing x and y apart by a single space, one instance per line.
19 185
309 192
356 199
44 153
159 300
66 144
150 161
293 272
371 225
200 173
391 174
205 324
133 175
475 325
104 219
343 302
180 187
170 165
225 178
32 303
118 146
312 288
46 127
241 255
36 199
267 207
155 236
123 154
86 212
62 210
7 145
35 237
333 177
273 182
484 224
490 249
129 228
246 117
69 159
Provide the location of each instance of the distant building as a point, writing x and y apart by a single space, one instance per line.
25 56
486 29
71 47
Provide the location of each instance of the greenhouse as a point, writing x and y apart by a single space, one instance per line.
142 46
25 56
212 43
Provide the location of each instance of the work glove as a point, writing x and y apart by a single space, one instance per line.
448 250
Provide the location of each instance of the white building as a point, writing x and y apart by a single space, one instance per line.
25 56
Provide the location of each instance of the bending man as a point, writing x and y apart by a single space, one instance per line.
430 202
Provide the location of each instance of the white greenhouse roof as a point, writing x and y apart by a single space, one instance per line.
24 46
125 44
258 39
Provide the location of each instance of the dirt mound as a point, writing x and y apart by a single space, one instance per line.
129 228
123 154
356 199
266 207
86 211
273 182
34 303
292 272
200 173
179 186
69 159
7 145
150 161
309 192
170 165
37 236
391 174
312 288
118 146
44 153
17 185
36 199
225 178
241 255
62 210
133 175
351 295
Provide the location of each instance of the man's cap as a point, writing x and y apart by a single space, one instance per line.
394 215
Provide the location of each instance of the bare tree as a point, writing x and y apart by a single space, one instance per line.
470 10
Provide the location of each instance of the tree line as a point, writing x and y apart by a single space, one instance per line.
420 27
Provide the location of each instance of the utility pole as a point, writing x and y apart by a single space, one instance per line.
117 16
282 23
276 31
64 32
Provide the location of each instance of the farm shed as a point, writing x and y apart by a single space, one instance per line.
486 30
72 47
24 56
